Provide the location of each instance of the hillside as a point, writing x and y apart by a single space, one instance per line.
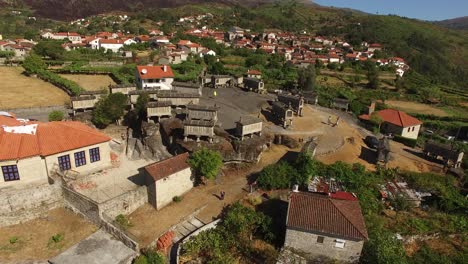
455 23
67 10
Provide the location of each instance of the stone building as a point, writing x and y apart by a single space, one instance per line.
318 225
248 126
450 156
168 178
37 152
341 103
254 84
198 129
86 100
202 112
283 113
296 102
158 110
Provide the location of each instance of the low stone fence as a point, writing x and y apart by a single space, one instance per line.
21 205
125 203
107 223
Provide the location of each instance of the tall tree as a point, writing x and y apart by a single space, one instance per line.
307 78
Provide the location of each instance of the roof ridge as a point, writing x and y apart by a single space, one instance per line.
345 216
399 116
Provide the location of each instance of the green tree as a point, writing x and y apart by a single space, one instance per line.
56 115
49 48
109 109
140 106
305 166
34 64
206 162
276 176
307 78
376 120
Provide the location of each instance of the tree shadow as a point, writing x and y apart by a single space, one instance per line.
423 156
290 156
276 209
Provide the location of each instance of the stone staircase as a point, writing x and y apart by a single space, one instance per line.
186 227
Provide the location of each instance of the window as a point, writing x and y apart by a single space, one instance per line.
339 243
64 162
409 129
413 128
10 173
94 155
320 239
80 159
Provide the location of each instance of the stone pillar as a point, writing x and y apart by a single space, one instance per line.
185 139
198 138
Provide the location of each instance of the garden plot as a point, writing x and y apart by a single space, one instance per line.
90 82
20 91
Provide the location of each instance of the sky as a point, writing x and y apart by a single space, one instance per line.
420 9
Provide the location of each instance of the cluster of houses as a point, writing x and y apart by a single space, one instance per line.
18 47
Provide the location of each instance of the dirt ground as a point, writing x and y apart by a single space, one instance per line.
90 82
20 91
413 107
33 236
201 198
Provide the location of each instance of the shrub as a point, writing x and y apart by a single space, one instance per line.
56 116
13 239
206 162
177 199
140 260
109 109
55 239
406 141
123 221
153 257
276 176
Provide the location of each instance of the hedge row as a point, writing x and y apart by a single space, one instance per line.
406 141
70 87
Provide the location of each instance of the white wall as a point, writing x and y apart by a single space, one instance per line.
30 170
412 133
175 185
164 84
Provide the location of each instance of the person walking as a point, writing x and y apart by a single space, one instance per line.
222 195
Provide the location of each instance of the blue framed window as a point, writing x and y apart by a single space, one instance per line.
94 155
64 162
10 173
80 159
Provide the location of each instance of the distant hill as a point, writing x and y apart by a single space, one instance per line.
72 9
455 23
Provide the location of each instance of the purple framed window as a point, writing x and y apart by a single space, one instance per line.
64 162
80 159
10 173
94 155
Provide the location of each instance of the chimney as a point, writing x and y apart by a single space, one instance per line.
295 188
164 68
371 108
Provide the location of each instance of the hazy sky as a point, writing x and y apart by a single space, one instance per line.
421 9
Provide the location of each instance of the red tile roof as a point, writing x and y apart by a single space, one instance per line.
321 213
167 167
50 138
395 117
155 72
254 72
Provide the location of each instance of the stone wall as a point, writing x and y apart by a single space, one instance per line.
126 203
307 242
108 225
21 205
82 205
175 185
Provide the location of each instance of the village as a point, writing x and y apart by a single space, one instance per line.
179 155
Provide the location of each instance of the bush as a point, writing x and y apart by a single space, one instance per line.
56 116
55 239
177 199
123 221
276 176
150 256
109 109
13 239
406 141
206 162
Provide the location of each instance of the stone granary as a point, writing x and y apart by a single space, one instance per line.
341 103
177 99
310 97
122 88
248 126
202 112
254 84
283 113
198 129
318 225
187 87
451 157
200 121
86 100
296 102
167 179
158 110
217 81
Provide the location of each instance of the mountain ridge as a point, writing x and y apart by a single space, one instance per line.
454 23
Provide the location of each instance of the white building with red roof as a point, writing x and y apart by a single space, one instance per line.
154 77
397 122
34 151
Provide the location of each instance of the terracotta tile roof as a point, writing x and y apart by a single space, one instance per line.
254 72
155 72
111 41
395 117
167 167
321 213
50 138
